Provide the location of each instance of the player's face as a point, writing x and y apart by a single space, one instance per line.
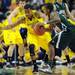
46 11
28 12
22 3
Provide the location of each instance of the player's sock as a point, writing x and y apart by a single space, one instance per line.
35 68
68 58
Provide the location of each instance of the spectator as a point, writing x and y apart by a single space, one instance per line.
38 2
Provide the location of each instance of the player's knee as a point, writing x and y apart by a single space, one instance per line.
23 32
43 50
41 55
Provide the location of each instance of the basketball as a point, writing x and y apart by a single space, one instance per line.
39 29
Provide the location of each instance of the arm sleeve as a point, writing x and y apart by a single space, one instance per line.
63 20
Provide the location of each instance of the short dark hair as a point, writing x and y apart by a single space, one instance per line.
49 6
28 6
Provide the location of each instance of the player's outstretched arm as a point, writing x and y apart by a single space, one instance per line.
20 20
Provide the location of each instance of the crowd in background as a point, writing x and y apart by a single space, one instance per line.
5 5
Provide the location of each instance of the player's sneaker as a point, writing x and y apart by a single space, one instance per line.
45 68
8 65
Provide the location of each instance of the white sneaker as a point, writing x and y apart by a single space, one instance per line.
42 64
58 62
14 62
7 63
45 68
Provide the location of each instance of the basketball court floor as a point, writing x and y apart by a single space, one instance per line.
59 70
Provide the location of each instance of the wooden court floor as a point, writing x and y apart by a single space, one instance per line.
59 70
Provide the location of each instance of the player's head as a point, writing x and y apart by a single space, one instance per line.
28 10
21 3
49 7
